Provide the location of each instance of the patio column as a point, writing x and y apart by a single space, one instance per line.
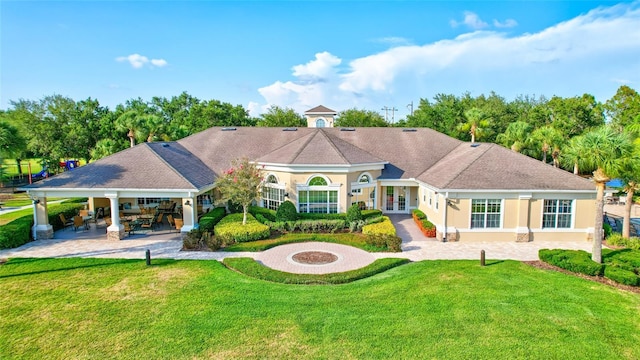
523 232
116 230
41 227
189 214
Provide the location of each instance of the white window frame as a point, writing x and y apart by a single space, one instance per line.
277 186
486 204
571 213
324 122
329 187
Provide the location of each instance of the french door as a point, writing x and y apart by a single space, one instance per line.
395 199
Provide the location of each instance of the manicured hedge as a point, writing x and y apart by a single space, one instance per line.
308 226
354 214
366 214
287 212
419 214
382 228
210 219
573 260
623 276
18 232
616 239
254 269
267 214
230 229
314 216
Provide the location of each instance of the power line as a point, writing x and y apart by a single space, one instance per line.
386 113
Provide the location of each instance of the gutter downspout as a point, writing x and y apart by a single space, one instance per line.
444 215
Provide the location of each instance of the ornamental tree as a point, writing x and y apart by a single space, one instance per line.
242 183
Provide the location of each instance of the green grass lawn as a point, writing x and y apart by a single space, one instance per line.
104 308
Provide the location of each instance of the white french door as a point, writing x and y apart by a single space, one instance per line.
395 199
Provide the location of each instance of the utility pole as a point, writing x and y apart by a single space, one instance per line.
410 107
386 113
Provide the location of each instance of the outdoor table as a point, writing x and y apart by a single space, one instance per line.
86 220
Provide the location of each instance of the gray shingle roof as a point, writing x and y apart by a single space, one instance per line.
423 154
320 109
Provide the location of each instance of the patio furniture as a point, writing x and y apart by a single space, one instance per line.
159 219
148 223
178 224
170 220
78 222
65 222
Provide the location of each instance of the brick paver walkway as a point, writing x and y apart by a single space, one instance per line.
415 247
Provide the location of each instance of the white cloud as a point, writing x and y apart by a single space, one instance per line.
509 23
137 61
472 20
393 41
583 55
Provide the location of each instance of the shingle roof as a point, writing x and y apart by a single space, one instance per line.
320 109
145 166
422 154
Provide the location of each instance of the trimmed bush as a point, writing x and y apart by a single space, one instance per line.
230 229
366 214
382 235
382 228
268 214
16 233
354 214
418 214
622 276
307 226
210 219
314 216
197 239
616 239
573 260
286 212
374 219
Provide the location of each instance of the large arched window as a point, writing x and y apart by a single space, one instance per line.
318 196
272 193
320 123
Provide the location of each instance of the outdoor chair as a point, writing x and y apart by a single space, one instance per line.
78 222
150 224
178 224
65 222
107 221
127 227
159 219
170 220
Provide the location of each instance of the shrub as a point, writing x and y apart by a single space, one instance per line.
230 229
616 239
314 216
210 219
374 220
286 212
390 242
354 214
16 233
622 276
382 228
607 230
307 226
356 226
233 207
418 214
573 260
197 239
267 214
366 214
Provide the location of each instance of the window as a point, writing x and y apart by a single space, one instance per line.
320 123
318 197
557 214
363 179
485 213
272 193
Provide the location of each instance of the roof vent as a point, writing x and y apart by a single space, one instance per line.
347 129
290 129
228 129
165 145
475 145
409 130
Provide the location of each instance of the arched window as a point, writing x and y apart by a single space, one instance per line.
363 191
272 193
364 179
318 196
320 123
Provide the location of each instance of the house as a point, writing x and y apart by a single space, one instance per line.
470 191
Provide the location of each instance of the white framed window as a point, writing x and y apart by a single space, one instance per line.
272 193
318 196
320 123
557 213
486 213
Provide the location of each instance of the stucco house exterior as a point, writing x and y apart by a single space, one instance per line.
471 192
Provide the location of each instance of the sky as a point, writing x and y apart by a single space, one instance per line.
299 54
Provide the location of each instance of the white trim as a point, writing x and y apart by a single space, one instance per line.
573 214
485 212
515 230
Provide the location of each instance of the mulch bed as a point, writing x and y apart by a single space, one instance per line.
603 280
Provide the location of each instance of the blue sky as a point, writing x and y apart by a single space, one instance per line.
301 54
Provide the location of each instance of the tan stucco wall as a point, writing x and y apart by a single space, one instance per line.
311 120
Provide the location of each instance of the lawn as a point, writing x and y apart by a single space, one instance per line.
105 308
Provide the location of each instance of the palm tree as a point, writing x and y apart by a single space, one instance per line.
515 136
548 139
477 123
106 147
572 153
131 122
607 152
153 125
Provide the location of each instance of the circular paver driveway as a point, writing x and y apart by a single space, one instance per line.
281 258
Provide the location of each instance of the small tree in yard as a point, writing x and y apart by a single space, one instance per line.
241 184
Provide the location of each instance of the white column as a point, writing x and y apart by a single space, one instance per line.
189 214
116 230
41 227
